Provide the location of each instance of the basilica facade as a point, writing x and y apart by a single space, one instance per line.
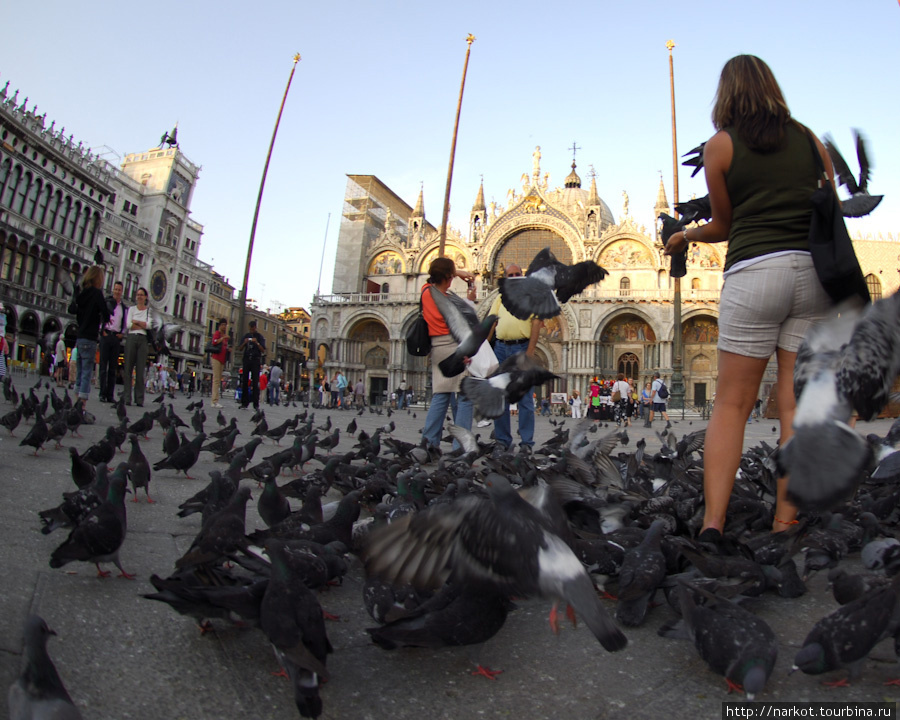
624 324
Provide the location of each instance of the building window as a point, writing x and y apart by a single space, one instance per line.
874 285
695 284
625 287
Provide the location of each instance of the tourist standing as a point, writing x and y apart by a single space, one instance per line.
761 170
254 346
515 336
90 309
220 341
445 390
275 383
61 362
138 318
111 336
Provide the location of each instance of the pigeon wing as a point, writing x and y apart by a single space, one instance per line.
845 176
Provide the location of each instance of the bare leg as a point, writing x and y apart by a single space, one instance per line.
785 510
736 390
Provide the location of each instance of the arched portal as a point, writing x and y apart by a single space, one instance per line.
521 247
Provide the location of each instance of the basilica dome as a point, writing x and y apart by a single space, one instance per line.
577 201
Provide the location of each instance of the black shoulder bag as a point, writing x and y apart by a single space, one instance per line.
418 341
829 243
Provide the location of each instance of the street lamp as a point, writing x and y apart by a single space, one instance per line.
311 371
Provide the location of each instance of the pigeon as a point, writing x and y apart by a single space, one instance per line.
220 419
170 440
82 472
696 161
37 436
516 376
224 432
532 295
76 505
38 693
847 363
210 499
184 458
273 506
222 445
860 202
456 615
291 618
99 536
847 636
504 542
643 570
138 470
160 333
103 451
221 535
75 417
142 426
465 328
12 419
732 641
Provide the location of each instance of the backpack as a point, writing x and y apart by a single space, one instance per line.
663 391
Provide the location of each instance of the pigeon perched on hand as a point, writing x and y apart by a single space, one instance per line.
465 328
39 693
532 295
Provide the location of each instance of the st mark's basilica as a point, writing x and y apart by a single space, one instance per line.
624 324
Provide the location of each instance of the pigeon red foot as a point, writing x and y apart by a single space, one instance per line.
844 682
486 672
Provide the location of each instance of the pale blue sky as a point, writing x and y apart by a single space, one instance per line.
376 91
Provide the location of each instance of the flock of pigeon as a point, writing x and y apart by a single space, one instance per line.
450 541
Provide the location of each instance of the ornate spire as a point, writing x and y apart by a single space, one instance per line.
573 181
420 204
662 204
594 198
479 201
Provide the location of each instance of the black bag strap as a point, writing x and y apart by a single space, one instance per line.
822 174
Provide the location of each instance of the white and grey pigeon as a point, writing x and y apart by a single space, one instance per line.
845 364
516 376
39 693
533 294
503 542
465 328
860 202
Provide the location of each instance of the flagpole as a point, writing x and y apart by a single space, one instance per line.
469 40
262 184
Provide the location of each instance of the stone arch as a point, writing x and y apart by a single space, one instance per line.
628 330
458 254
30 324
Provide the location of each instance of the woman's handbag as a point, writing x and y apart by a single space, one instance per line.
829 243
211 349
418 341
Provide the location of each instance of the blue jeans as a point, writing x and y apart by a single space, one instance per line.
87 349
434 421
502 429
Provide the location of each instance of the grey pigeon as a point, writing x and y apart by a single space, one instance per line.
848 363
515 376
847 636
643 571
138 470
184 458
99 536
860 202
222 534
532 295
504 542
39 693
732 641
465 328
291 618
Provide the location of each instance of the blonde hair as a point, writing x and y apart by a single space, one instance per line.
93 276
749 100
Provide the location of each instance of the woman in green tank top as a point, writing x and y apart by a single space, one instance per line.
760 172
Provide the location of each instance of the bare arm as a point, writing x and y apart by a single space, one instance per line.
536 326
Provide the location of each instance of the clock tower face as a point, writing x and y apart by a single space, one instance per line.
158 285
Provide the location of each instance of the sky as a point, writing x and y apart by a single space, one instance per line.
376 90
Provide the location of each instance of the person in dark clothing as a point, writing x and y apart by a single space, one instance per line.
90 309
254 346
111 335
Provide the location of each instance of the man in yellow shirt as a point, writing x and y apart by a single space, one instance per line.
515 336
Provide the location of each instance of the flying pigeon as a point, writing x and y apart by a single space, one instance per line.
516 376
532 295
465 328
860 202
38 693
847 363
504 542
